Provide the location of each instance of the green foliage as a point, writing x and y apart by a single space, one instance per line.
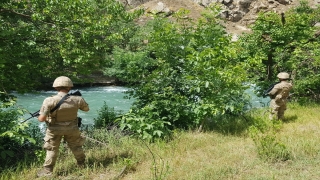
190 75
12 138
269 147
129 67
45 39
15 140
40 155
106 117
145 127
289 43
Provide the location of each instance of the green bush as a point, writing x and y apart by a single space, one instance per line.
268 145
192 76
16 143
144 127
106 117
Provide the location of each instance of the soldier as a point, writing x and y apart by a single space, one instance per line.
279 95
62 123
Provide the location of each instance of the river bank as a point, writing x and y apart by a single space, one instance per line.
192 155
93 80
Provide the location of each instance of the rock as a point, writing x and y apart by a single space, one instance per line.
236 16
157 9
284 2
227 1
244 4
241 12
224 14
258 7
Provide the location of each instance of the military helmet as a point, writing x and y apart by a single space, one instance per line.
62 81
283 75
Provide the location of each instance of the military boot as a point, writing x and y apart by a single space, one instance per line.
45 172
80 164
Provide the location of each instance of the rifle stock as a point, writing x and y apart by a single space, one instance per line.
36 114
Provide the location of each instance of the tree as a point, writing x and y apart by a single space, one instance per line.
41 40
284 42
192 77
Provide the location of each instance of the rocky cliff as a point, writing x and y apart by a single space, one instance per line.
239 14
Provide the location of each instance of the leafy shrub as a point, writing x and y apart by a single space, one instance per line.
15 143
268 146
144 127
193 76
106 117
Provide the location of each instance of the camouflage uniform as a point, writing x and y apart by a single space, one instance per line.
62 123
279 95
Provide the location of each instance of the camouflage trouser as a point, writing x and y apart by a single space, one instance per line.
52 142
277 109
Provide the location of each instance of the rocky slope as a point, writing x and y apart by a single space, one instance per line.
239 14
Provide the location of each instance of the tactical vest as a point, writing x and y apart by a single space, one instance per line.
67 111
283 90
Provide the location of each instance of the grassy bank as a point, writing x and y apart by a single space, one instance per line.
288 150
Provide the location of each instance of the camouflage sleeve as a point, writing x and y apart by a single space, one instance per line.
273 93
46 107
84 105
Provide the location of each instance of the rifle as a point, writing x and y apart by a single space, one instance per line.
265 93
36 114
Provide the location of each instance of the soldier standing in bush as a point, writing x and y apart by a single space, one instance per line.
62 123
279 95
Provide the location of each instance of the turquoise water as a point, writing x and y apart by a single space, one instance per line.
257 102
94 96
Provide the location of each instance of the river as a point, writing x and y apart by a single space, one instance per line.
96 96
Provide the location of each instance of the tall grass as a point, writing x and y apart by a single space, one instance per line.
264 150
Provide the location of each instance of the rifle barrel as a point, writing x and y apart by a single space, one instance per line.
35 114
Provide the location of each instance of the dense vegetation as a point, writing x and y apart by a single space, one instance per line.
288 42
264 150
44 39
183 73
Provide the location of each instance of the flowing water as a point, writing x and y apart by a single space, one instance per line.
113 96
